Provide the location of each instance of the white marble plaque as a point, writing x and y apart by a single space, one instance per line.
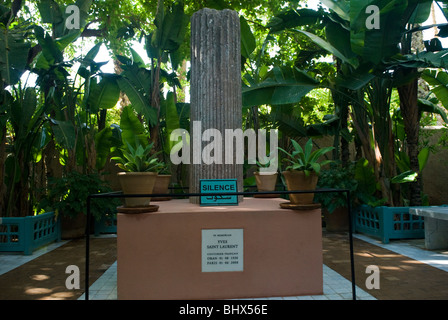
222 250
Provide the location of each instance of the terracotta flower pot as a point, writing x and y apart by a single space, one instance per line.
265 182
137 183
297 180
161 186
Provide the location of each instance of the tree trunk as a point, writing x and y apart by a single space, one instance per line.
411 118
345 150
2 171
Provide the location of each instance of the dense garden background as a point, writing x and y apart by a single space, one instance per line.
309 70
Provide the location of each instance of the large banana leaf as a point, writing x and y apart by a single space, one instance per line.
21 113
103 145
438 79
293 19
339 38
55 14
403 162
105 94
248 43
329 47
430 107
13 54
139 102
170 29
132 130
374 45
282 87
341 7
64 133
51 53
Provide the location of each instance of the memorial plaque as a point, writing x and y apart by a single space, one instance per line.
222 250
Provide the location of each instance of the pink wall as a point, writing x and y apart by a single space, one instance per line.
159 254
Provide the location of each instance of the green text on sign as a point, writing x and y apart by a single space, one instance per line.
220 187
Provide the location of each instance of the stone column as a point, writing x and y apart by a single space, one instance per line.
215 95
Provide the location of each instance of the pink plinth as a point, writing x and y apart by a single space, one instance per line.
159 253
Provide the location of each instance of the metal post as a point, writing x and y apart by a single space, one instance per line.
352 262
87 249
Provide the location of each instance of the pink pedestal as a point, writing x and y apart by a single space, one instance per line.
160 254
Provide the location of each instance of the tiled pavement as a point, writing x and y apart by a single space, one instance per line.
336 287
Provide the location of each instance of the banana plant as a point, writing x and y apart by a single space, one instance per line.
20 108
389 49
57 15
438 80
75 103
281 85
351 81
143 84
27 118
366 54
165 41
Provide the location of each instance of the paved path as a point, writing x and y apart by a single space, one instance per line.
407 271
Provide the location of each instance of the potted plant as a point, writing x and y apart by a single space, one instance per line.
303 171
265 180
141 167
334 205
67 196
162 183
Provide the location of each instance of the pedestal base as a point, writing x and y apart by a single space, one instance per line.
160 253
436 226
436 234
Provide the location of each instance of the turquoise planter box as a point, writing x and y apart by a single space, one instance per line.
25 234
107 224
218 186
387 223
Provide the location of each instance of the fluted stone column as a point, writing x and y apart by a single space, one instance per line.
215 95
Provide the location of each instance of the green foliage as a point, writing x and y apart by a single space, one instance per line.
105 141
336 177
171 26
305 159
13 53
367 184
135 153
438 79
266 162
164 168
138 159
132 130
282 86
68 195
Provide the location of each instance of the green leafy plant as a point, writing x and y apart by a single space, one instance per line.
267 161
305 159
68 195
138 158
336 177
164 168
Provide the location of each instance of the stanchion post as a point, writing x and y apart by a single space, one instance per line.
350 229
87 249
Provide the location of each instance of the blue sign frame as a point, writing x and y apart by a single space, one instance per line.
218 186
